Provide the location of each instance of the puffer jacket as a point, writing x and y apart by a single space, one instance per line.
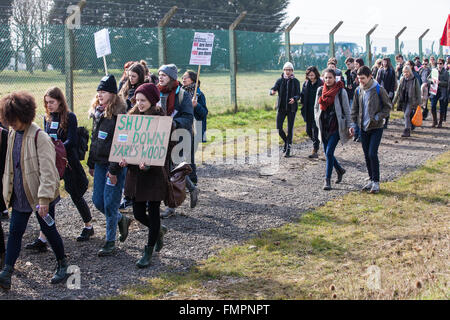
102 137
37 160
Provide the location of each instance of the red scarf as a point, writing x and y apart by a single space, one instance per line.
171 98
328 95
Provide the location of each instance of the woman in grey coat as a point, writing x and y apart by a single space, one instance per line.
408 97
332 115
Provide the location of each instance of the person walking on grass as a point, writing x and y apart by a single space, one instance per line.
109 177
308 99
371 106
386 79
146 185
408 97
288 88
332 115
177 104
31 182
61 124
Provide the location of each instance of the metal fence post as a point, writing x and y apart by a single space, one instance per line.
420 43
332 51
368 47
233 60
397 45
287 39
162 49
69 54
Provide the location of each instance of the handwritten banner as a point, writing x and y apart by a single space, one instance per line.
139 138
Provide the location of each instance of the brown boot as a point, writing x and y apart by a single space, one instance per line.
434 119
314 154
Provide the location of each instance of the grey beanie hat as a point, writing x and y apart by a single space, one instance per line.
170 69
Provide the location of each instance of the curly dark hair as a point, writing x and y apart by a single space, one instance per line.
17 106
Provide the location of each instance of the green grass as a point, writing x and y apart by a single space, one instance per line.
327 253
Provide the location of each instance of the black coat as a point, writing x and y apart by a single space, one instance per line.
287 89
75 180
386 79
309 90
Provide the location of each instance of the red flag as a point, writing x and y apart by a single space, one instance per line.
445 40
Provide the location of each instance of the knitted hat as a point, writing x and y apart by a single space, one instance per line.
150 91
108 84
288 65
170 69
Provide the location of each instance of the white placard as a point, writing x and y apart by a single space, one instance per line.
202 48
102 44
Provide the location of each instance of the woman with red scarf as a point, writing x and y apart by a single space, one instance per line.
178 104
332 115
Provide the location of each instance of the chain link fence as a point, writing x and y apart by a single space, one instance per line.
260 57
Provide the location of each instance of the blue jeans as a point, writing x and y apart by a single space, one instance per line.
329 147
106 198
17 227
370 141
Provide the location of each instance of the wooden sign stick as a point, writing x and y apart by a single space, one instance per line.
106 67
196 82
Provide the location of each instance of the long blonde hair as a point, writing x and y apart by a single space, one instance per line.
116 100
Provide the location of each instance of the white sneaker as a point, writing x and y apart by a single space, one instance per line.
375 187
368 186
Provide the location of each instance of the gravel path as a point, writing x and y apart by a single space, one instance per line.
235 204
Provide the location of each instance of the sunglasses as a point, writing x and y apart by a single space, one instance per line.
440 63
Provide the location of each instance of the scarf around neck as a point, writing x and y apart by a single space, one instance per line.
171 97
328 94
292 76
190 88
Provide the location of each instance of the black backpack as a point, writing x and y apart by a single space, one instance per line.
83 141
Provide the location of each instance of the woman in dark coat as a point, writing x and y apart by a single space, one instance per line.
288 88
308 97
147 186
4 211
61 124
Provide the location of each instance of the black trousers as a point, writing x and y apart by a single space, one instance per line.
151 220
281 116
313 133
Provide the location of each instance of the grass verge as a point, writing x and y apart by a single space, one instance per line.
394 245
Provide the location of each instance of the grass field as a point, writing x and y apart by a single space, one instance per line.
335 251
252 88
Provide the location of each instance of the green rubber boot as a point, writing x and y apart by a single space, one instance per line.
159 242
144 262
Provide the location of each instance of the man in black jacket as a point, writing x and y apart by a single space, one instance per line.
288 88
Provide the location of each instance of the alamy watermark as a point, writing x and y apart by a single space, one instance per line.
75 15
74 280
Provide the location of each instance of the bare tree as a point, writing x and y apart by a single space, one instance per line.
30 29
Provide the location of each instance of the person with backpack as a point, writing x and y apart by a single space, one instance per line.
189 80
30 182
308 99
146 185
109 177
61 124
408 97
370 106
177 104
288 88
332 115
386 79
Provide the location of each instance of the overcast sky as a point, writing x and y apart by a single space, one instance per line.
318 17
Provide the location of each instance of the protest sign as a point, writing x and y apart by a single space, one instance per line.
102 45
434 84
202 48
139 138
